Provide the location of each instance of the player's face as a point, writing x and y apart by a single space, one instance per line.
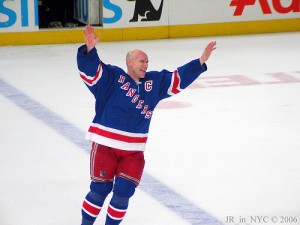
138 65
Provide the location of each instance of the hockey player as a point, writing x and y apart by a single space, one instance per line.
124 105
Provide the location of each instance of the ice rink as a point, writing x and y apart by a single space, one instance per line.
224 151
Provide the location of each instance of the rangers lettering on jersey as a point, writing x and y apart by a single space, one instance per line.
131 93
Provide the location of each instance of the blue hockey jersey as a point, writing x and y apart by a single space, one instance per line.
124 107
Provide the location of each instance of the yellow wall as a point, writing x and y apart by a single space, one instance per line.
61 36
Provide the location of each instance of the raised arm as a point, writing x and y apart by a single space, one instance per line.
90 38
207 51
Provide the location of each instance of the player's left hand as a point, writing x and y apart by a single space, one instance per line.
207 51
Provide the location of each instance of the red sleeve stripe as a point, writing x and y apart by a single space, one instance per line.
92 80
175 84
90 208
116 136
116 214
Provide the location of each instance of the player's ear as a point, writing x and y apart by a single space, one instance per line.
129 62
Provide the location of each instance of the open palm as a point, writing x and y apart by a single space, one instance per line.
90 38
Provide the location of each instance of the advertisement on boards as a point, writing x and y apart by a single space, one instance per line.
218 11
22 15
139 13
18 15
135 13
117 14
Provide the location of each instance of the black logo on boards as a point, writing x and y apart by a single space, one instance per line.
146 10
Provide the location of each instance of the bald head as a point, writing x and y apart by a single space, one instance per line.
137 64
132 54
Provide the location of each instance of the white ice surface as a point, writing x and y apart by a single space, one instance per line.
234 151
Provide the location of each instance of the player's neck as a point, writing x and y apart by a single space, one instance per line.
135 78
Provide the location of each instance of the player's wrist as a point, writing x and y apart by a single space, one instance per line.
202 60
89 48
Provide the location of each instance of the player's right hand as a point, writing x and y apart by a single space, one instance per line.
90 38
